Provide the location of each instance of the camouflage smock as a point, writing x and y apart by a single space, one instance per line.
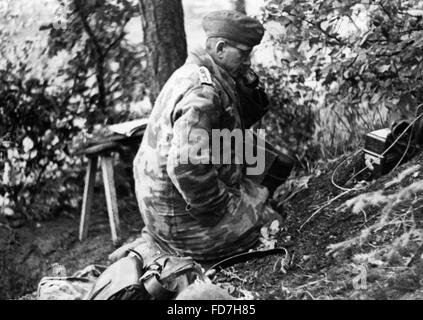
206 211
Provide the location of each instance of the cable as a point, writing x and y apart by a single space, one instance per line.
405 153
358 173
404 131
338 166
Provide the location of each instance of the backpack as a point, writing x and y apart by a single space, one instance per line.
130 279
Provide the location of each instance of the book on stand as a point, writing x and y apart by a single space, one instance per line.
129 128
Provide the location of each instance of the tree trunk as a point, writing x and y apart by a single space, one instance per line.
164 36
100 75
239 5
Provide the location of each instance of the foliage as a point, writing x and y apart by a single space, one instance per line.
105 70
36 127
55 85
345 68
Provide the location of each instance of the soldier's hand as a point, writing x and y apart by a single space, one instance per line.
122 251
278 207
271 215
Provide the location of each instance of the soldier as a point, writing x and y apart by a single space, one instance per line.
201 209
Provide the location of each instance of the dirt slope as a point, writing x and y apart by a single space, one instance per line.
27 253
379 255
380 260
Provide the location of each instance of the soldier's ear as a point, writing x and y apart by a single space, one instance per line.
220 46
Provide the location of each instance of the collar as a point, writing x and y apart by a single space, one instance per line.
200 57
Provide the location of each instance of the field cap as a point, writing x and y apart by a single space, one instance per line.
235 26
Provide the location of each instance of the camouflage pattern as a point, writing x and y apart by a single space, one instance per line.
205 211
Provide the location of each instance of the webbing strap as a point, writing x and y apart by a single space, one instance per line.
156 290
243 257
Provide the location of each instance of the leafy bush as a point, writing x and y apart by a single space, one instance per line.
37 128
343 69
104 69
54 87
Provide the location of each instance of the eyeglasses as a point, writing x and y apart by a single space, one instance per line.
244 53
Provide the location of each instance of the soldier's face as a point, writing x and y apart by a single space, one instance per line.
236 60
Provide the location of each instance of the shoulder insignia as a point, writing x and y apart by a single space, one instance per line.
205 76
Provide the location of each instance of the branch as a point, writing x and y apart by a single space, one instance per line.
114 43
353 22
327 204
386 11
329 35
118 39
318 27
349 65
88 30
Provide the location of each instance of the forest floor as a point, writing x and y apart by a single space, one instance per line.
367 248
28 253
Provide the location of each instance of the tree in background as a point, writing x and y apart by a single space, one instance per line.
106 70
164 38
55 85
35 123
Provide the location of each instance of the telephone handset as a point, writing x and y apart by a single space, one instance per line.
251 79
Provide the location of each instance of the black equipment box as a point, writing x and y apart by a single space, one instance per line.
375 146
